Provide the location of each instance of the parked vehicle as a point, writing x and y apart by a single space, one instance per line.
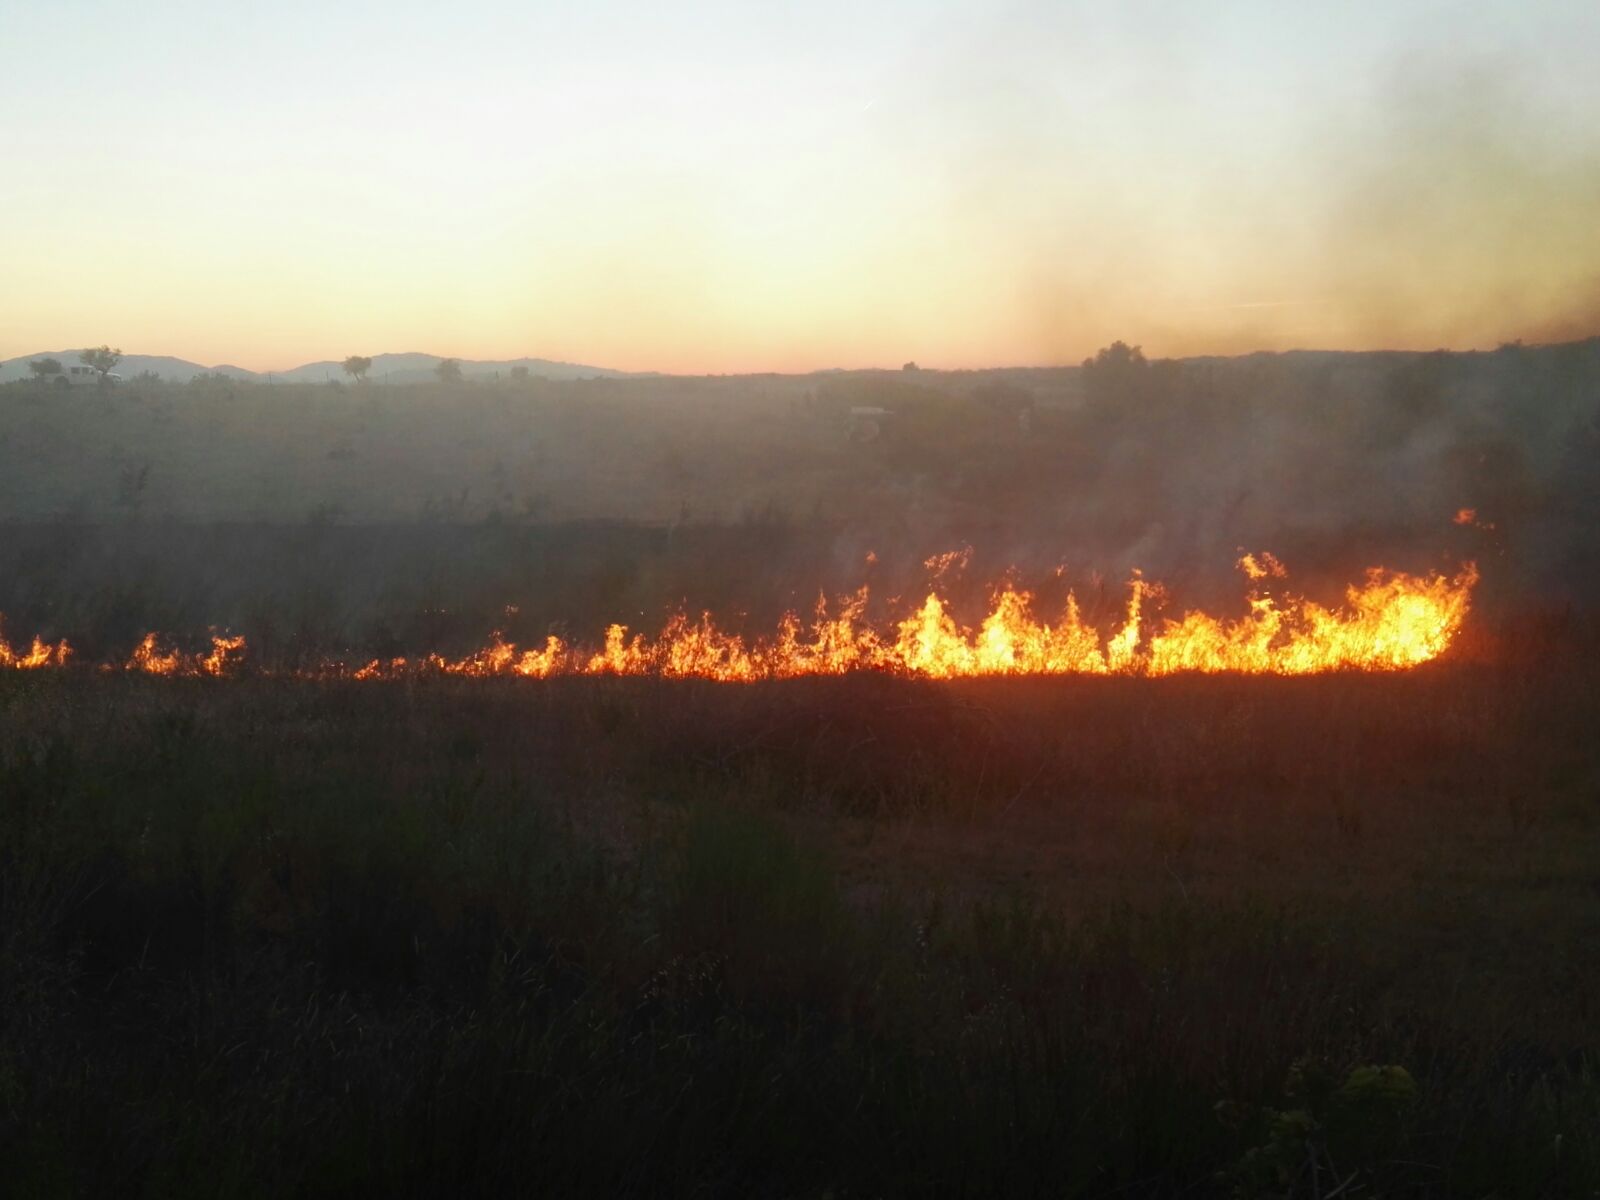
84 376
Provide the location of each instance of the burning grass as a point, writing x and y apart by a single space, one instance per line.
1393 621
860 935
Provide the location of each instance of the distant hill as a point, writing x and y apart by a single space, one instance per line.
418 368
167 367
386 368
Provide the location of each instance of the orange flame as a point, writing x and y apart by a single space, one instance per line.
225 657
38 655
1390 622
950 560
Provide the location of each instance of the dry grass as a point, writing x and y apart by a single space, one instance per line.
861 936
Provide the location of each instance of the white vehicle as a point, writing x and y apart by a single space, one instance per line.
84 376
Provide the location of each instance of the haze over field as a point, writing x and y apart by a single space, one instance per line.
384 368
941 598
722 187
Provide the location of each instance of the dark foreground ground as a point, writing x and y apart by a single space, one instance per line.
858 937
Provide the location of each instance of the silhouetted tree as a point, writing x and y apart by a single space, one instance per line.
1116 359
357 366
101 359
448 371
519 374
1119 375
44 368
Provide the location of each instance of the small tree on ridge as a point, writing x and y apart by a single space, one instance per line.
101 359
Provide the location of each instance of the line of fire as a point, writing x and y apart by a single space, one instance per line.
1390 621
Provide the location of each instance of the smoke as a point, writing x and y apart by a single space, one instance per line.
1199 188
1462 214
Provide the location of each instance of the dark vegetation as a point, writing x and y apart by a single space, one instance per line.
851 937
847 937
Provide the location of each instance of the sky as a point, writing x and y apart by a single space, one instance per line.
728 187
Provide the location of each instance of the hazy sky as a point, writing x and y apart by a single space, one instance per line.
737 186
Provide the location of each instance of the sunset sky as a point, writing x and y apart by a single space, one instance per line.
732 187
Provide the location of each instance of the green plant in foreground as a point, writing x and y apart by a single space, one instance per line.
1330 1137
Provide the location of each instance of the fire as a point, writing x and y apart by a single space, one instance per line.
1469 517
225 657
1389 622
1393 622
950 560
38 655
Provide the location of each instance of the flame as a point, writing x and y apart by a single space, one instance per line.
225 657
950 560
1394 621
1469 517
1256 569
1389 622
38 655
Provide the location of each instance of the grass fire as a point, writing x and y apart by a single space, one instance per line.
1392 622
800 602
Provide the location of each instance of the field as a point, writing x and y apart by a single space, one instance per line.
851 937
869 935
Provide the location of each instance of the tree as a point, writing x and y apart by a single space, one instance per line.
1117 357
448 370
101 359
1120 381
357 366
1116 376
44 368
519 374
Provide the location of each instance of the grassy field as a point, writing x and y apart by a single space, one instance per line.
847 937
860 936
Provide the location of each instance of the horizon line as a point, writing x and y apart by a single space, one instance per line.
908 367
